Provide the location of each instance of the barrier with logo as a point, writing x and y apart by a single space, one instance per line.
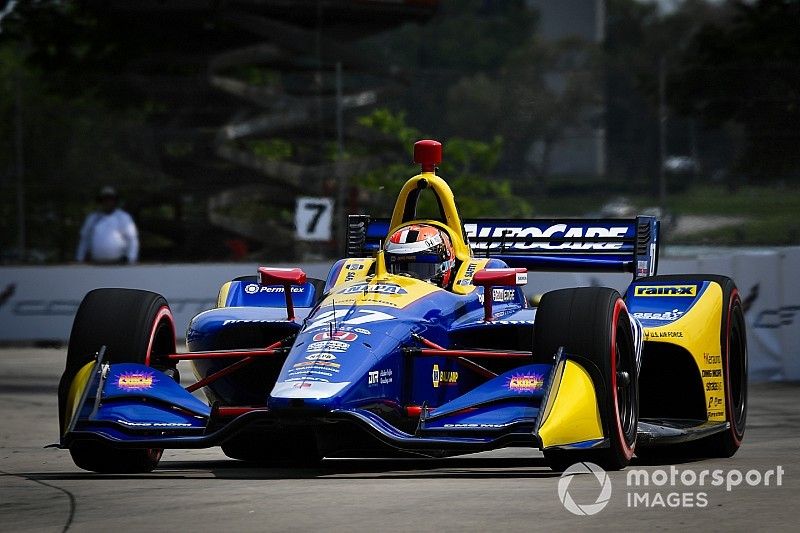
39 303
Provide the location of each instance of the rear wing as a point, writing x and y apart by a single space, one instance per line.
549 245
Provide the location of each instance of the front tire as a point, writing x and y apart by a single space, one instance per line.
593 322
135 326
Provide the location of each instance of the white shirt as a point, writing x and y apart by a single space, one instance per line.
108 237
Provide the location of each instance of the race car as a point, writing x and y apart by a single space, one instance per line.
421 343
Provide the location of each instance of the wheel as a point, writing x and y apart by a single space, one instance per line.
733 342
295 448
593 322
136 327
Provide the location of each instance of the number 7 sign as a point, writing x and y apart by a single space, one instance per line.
313 218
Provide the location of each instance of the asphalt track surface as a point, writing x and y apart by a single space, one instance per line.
505 490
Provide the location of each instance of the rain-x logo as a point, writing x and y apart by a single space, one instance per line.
585 509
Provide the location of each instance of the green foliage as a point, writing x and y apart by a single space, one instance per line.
467 166
745 70
391 124
273 149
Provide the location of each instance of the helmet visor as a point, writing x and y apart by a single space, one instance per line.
420 266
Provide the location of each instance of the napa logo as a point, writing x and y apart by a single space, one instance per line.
666 290
379 288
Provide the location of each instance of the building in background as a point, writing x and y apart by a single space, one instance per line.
581 149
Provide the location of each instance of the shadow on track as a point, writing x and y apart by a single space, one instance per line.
461 468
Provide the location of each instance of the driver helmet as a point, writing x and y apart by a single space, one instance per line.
421 251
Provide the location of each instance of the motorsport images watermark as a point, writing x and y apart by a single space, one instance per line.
661 488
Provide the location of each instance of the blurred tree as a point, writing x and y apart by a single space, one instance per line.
466 165
746 70
464 48
501 80
542 90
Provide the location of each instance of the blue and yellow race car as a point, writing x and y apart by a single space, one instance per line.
421 343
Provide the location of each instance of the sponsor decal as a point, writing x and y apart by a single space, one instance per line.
328 346
380 288
716 373
354 266
714 385
648 334
344 336
712 359
666 290
361 316
714 402
154 424
666 316
379 377
136 380
321 364
468 273
443 377
327 372
321 357
525 383
556 231
473 426
503 295
255 288
307 378
243 321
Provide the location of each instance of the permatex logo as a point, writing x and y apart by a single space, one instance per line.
666 290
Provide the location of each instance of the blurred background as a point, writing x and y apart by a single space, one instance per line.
225 126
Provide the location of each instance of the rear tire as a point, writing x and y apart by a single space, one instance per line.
593 322
135 326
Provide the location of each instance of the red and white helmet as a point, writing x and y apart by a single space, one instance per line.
422 251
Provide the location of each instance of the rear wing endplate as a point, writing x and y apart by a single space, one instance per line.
549 245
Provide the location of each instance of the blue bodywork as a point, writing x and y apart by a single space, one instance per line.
359 363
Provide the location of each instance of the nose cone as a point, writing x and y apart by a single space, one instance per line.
307 394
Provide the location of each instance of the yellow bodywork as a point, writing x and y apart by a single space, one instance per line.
462 284
222 298
76 388
698 331
354 269
571 414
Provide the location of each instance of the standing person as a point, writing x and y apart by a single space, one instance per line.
109 234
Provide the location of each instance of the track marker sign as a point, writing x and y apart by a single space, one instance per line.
313 218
